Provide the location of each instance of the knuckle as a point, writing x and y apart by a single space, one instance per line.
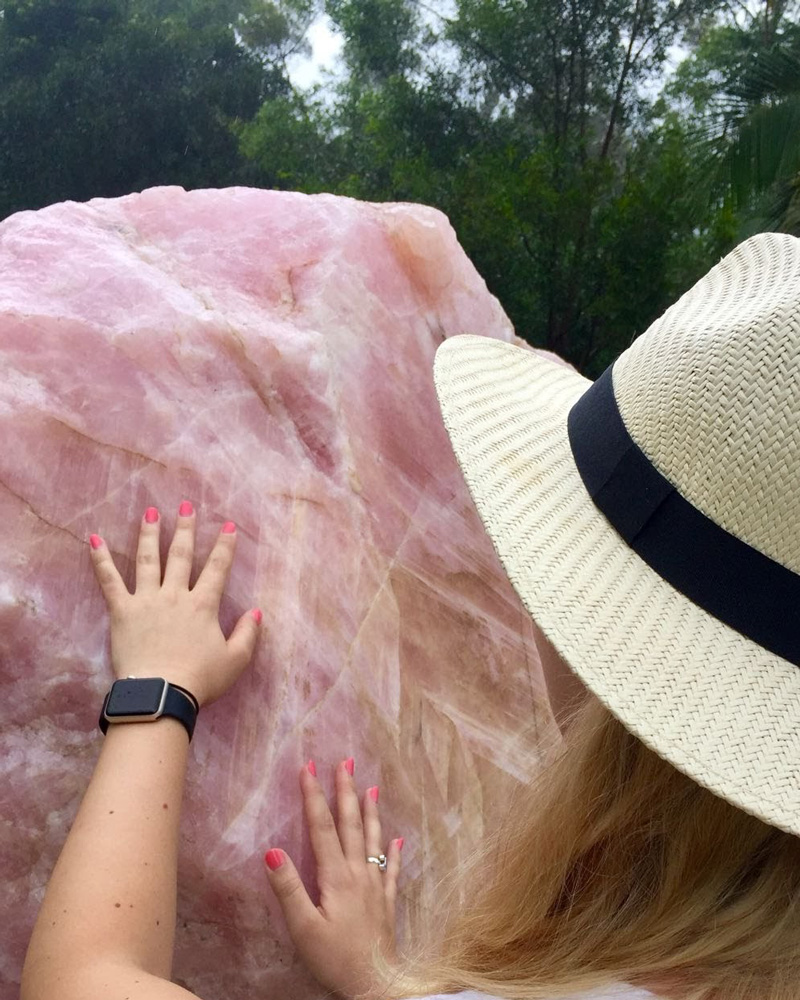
289 888
338 883
206 602
359 874
180 552
117 604
146 559
305 926
324 822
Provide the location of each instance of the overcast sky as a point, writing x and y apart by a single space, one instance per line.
326 47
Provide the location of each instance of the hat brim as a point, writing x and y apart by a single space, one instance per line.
715 704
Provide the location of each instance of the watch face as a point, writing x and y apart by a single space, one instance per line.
139 696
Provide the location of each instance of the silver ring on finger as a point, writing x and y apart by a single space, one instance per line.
380 861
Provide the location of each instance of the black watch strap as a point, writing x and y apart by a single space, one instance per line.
179 704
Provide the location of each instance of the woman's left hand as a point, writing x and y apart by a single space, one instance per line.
165 629
357 901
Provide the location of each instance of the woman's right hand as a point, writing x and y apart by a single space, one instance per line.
357 900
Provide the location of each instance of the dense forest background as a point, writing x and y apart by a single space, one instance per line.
589 183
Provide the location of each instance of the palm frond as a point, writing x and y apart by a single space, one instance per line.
770 74
764 149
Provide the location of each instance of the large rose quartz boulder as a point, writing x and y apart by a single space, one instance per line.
269 357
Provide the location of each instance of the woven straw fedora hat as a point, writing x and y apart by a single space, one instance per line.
650 521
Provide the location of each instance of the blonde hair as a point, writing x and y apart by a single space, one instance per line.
612 866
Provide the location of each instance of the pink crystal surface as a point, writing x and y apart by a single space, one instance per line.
268 356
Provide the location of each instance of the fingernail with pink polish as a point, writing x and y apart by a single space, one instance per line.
186 509
151 515
274 858
373 793
350 766
228 528
96 541
312 768
400 841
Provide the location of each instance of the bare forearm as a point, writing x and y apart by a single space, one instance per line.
112 894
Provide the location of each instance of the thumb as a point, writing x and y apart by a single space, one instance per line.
298 910
242 641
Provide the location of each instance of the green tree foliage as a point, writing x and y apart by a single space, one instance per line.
531 134
105 97
381 36
742 85
586 200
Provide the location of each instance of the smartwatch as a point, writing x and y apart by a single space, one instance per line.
145 699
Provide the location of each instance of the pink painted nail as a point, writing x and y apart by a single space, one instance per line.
257 616
228 528
151 515
312 768
400 841
373 793
274 858
96 541
186 509
350 766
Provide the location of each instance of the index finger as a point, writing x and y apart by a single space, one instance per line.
351 824
111 583
321 826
